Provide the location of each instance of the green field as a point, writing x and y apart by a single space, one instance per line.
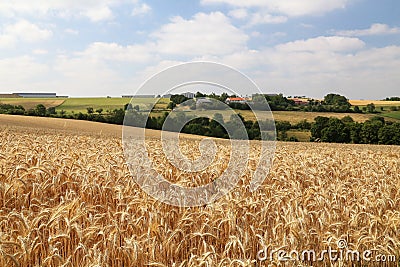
77 105
392 114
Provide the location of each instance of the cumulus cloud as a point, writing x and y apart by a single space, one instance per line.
203 34
71 31
323 43
142 9
116 52
369 72
287 7
18 72
375 29
265 18
240 13
99 13
95 10
23 31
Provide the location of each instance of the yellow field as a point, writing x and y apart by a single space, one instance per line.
296 116
375 102
67 199
29 103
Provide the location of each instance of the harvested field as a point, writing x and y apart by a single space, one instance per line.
67 199
30 103
375 102
297 116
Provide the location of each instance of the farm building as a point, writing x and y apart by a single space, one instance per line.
235 100
138 96
188 95
36 95
300 101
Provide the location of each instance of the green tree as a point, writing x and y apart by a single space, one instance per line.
371 108
283 125
317 127
199 94
90 110
369 131
51 111
178 99
347 120
171 105
389 134
335 132
336 100
100 110
40 110
355 129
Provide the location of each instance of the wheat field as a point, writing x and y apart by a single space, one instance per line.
68 199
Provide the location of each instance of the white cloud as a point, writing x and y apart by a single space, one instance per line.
95 10
255 34
18 73
71 31
116 52
240 13
287 7
99 13
203 34
82 76
369 73
142 9
375 29
323 43
23 31
39 52
265 18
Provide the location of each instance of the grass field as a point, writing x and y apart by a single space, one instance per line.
81 104
29 103
68 199
392 114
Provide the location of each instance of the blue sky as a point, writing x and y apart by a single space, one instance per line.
110 47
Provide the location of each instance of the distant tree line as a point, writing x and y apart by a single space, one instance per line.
115 116
205 126
39 110
373 131
393 98
331 103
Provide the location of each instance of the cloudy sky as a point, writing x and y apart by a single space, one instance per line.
110 47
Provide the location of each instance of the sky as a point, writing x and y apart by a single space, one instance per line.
110 47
